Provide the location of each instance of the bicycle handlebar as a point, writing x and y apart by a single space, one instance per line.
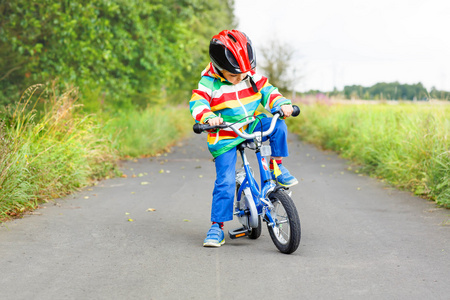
199 128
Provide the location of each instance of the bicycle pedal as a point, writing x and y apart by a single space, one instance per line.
238 233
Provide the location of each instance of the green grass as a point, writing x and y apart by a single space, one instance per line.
56 150
147 132
406 144
49 154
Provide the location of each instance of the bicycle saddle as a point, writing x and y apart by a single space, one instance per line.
246 144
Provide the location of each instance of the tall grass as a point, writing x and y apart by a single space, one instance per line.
49 154
52 151
406 144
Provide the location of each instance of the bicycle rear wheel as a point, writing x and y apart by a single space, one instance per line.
245 219
256 232
286 232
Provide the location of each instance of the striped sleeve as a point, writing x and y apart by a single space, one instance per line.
200 101
271 97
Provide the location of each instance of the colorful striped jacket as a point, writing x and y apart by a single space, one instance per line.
217 96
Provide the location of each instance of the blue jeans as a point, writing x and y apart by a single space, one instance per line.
225 185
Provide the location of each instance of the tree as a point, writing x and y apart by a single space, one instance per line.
128 52
277 64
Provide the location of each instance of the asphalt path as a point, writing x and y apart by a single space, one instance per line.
140 237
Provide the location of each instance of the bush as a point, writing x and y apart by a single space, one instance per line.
120 53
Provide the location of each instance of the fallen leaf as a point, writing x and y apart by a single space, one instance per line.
151 209
130 220
186 220
323 166
140 175
161 171
124 176
200 176
127 213
86 197
144 183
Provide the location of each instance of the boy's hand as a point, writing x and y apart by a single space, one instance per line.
287 110
215 121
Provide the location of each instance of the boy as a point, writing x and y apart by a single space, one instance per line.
228 91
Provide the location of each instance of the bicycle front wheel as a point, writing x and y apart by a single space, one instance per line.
286 232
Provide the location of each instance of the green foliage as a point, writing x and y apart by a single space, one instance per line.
387 91
49 155
406 144
442 95
148 132
120 53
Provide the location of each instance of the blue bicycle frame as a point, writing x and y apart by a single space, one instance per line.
260 196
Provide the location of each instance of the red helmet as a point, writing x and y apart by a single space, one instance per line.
232 50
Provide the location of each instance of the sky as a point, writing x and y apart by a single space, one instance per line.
359 42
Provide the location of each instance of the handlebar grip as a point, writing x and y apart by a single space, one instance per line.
296 111
199 128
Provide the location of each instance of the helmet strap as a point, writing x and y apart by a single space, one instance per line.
255 88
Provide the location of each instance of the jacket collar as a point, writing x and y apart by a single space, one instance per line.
212 71
216 73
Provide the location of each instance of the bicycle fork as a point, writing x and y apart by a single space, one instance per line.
267 184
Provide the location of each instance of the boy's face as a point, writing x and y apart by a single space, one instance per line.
233 78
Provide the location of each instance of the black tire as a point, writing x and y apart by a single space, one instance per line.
256 232
287 231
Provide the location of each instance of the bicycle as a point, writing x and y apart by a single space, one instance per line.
271 202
